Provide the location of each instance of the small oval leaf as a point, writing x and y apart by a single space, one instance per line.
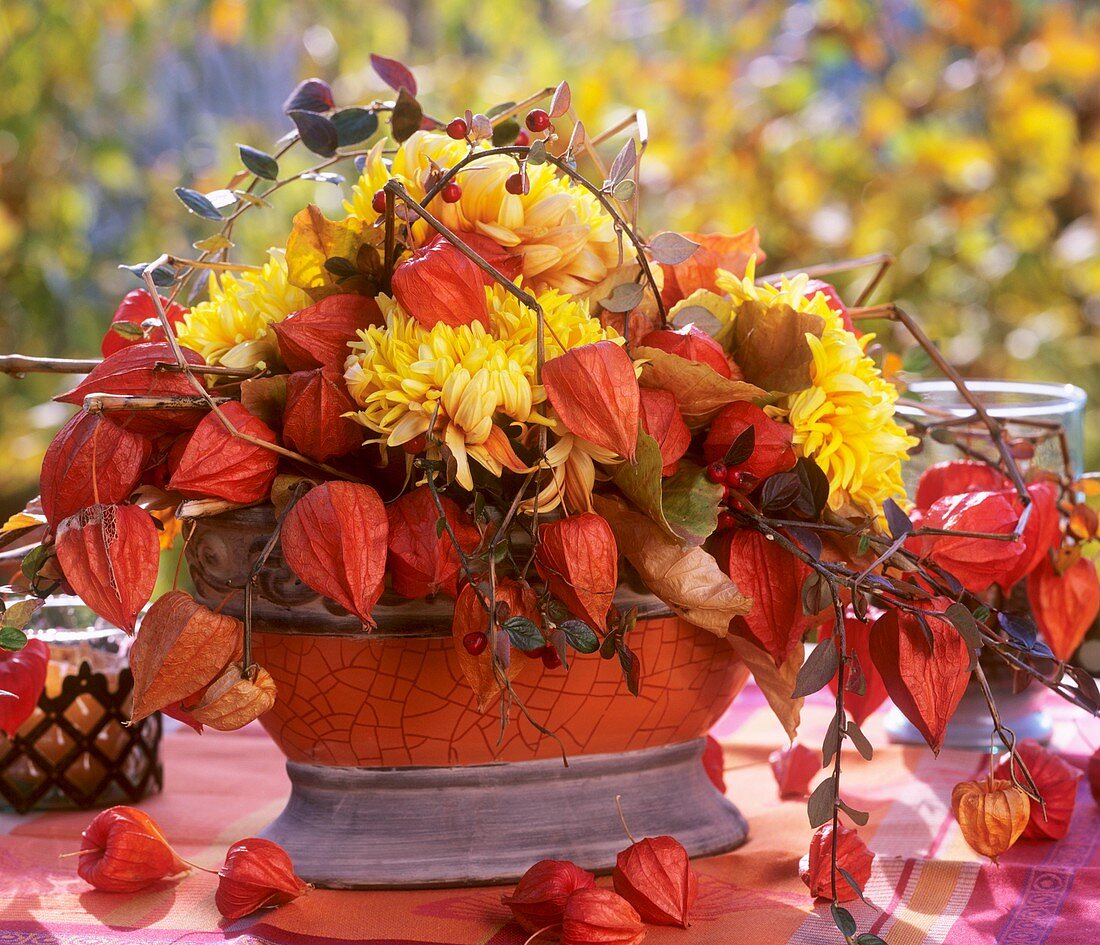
259 162
316 131
354 125
198 204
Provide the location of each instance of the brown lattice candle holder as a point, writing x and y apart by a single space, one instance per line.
76 750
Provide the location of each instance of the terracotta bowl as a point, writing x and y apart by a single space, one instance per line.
361 714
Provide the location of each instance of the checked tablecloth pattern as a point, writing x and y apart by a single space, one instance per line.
927 886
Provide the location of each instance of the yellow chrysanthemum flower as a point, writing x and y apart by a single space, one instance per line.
844 420
403 374
566 238
572 465
231 327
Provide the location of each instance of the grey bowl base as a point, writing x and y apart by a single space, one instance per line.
414 828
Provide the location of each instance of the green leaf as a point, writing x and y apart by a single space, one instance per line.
864 544
900 523
816 594
198 204
128 330
690 502
964 621
624 190
12 638
741 448
916 360
610 645
440 527
33 561
830 745
843 920
19 615
641 481
859 817
499 109
863 746
868 938
524 633
406 117
505 133
631 667
851 881
820 666
536 154
820 806
354 125
580 636
259 162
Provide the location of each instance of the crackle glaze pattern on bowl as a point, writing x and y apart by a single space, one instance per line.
396 696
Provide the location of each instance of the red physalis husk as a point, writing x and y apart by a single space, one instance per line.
334 539
109 555
772 451
597 916
134 371
1094 775
1064 605
137 308
180 647
924 681
991 814
126 852
470 616
975 562
257 873
1041 532
714 763
23 674
834 301
794 768
538 901
595 392
716 251
955 477
815 869
773 578
90 460
317 336
857 634
1056 781
216 463
578 559
422 559
655 876
314 423
693 344
438 283
662 420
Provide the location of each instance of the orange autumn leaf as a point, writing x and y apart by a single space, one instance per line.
124 851
595 392
232 701
1064 605
655 876
334 539
925 680
991 814
180 647
578 559
716 251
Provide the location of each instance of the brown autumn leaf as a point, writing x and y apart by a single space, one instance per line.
180 647
595 392
688 579
232 700
769 344
776 682
314 239
701 393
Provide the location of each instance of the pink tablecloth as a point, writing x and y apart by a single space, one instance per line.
927 886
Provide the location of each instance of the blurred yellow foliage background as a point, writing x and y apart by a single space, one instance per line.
961 135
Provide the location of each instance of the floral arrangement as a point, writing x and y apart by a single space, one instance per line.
483 382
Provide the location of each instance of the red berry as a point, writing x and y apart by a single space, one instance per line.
734 478
716 472
451 192
516 183
550 658
475 642
378 201
725 520
457 128
523 138
537 120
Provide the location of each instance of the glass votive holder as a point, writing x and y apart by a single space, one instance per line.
1019 405
76 750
